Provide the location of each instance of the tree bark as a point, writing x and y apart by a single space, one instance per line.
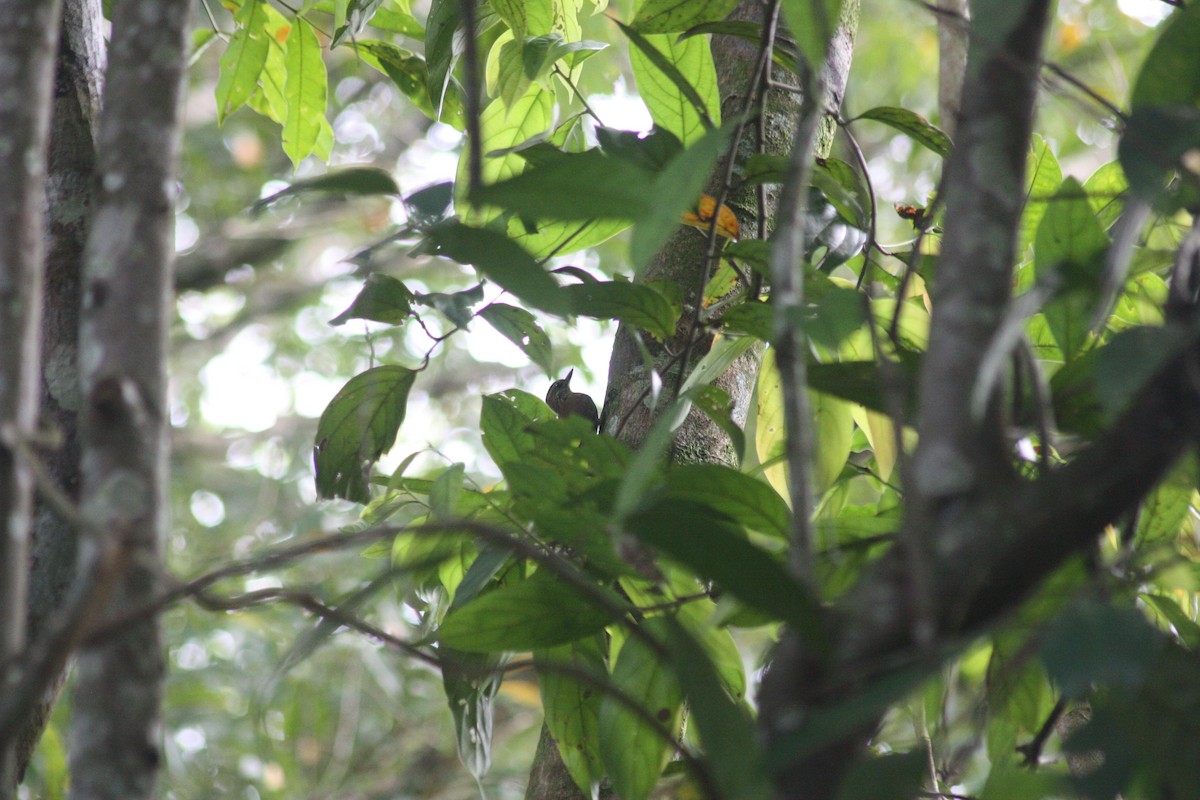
628 409
78 74
28 29
114 744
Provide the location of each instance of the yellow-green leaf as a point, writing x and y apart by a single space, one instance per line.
304 91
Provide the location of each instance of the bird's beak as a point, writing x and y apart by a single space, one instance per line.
570 372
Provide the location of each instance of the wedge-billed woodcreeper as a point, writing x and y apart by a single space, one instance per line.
564 402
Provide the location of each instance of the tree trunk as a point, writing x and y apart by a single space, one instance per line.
78 74
28 29
628 410
114 744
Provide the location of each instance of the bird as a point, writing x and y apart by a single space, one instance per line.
564 402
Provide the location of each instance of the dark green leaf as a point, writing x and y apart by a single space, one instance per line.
349 181
358 427
744 499
470 691
675 16
694 535
752 317
572 707
650 152
428 206
1151 148
1093 643
861 382
358 14
784 53
541 611
502 260
443 494
382 299
1164 512
812 23
914 125
632 751
1170 75
408 72
1129 361
616 189
628 302
504 422
725 725
765 168
440 49
884 777
521 328
456 307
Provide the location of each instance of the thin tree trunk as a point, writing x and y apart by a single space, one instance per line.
28 29
114 744
78 74
628 413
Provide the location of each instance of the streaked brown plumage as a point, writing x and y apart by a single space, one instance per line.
564 402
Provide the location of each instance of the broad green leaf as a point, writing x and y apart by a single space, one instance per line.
382 299
1105 189
633 753
269 100
716 403
470 692
349 181
1094 643
244 58
696 536
1018 690
677 81
304 92
676 189
408 72
616 189
502 260
1043 176
744 499
913 125
725 725
631 303
885 777
444 493
358 427
812 23
358 15
676 16
504 423
457 307
521 328
860 382
724 351
1170 75
834 433
1183 625
769 431
1163 514
572 707
440 49
538 612
880 435
1129 361
1153 148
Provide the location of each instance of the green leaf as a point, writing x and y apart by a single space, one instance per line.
630 303
676 16
357 428
382 299
572 707
521 328
744 499
1163 514
429 205
357 181
539 612
833 437
470 692
1129 361
410 75
725 726
914 126
243 60
860 382
1152 148
304 92
616 189
358 15
457 307
1184 626
812 23
784 53
716 403
1094 643
696 536
503 261
444 493
1043 176
632 752
440 49
678 82
885 777
504 423
1170 75
1105 189
675 190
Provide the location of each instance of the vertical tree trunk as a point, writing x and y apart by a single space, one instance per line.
28 29
115 751
682 260
78 73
